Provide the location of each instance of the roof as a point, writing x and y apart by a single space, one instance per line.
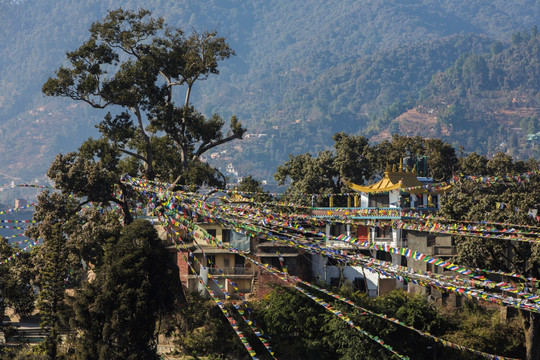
406 181
237 198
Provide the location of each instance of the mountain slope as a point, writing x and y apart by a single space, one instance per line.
305 68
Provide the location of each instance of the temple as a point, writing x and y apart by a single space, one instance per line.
375 209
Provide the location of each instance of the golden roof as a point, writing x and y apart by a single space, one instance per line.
396 179
237 198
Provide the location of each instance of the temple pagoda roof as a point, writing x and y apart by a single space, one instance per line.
395 179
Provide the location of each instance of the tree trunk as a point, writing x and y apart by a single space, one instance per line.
531 326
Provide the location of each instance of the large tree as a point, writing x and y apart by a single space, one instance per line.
136 65
15 277
439 157
118 311
307 174
54 215
503 202
354 160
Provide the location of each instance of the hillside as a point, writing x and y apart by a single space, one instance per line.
303 70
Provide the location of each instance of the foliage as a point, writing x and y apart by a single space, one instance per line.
354 160
507 203
294 324
51 280
298 328
202 330
441 156
254 189
484 329
22 353
117 312
135 62
15 277
323 174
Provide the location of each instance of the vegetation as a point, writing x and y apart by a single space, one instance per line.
15 289
128 276
354 160
300 330
123 292
285 70
499 203
147 61
116 314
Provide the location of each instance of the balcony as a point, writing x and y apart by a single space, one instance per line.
383 213
359 212
444 250
382 240
232 271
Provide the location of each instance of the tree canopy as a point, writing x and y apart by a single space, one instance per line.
355 160
499 203
136 64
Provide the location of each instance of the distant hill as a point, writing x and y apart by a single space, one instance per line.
490 102
303 70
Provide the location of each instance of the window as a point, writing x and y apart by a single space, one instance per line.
378 200
238 261
211 232
334 282
225 235
384 256
338 229
359 284
333 262
431 240
384 232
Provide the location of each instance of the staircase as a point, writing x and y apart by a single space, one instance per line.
255 286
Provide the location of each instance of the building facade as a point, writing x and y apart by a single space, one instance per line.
375 207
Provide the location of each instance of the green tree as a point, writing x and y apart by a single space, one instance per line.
295 325
92 175
308 175
299 328
52 214
136 63
500 202
15 280
203 331
118 311
51 280
478 327
351 157
441 156
473 164
323 174
254 189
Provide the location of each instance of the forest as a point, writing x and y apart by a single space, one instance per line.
368 64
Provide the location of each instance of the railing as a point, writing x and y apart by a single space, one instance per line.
273 248
231 271
381 240
359 212
369 212
444 250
